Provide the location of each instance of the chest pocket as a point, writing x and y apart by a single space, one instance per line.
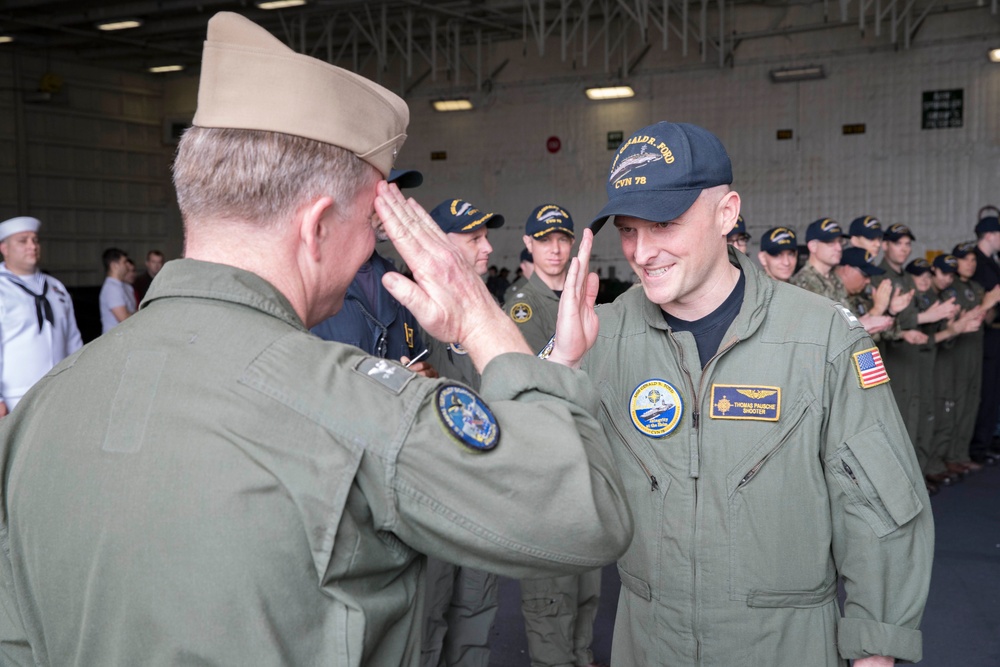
779 519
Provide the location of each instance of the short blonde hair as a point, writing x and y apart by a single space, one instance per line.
261 177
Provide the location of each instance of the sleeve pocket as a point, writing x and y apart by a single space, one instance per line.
873 476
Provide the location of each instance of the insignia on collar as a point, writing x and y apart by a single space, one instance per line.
467 418
743 401
387 373
520 312
871 371
656 408
547 350
852 321
457 349
408 332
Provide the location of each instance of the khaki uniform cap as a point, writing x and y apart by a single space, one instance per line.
251 81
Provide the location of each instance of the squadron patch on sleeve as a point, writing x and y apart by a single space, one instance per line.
387 373
457 349
656 408
742 401
871 371
520 312
467 418
852 321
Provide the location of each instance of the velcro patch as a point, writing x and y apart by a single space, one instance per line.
467 418
746 401
871 370
852 321
387 373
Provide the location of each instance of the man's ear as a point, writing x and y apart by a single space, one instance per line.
316 222
527 242
729 211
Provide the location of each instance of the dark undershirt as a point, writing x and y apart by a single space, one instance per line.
709 330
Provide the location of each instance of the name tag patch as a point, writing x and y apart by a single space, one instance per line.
746 401
656 408
467 418
387 373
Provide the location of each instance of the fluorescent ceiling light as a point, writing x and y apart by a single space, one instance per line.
280 4
610 92
6 39
995 55
797 74
452 105
122 24
160 69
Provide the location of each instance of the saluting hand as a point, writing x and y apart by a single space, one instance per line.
577 326
446 296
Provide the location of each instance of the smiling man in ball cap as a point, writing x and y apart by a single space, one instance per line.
746 415
210 483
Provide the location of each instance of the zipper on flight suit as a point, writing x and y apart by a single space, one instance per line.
850 473
695 419
760 464
653 483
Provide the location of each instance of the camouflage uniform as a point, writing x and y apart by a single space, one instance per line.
808 278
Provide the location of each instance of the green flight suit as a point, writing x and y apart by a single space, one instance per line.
927 356
461 602
809 279
758 481
535 309
903 360
559 612
966 377
210 483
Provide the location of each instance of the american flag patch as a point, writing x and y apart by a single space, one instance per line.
871 370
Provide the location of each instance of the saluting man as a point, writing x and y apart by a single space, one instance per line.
37 325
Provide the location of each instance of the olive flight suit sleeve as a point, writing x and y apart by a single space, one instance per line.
546 499
883 541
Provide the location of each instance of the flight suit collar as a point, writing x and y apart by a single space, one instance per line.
540 287
756 295
190 278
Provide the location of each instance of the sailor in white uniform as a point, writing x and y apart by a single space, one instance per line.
37 325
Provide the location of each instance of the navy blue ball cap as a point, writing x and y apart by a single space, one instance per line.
549 218
867 226
897 231
918 267
824 229
946 263
777 239
526 256
740 229
660 170
861 259
990 223
963 249
405 178
455 216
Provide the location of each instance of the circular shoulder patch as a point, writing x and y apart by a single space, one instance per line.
520 312
467 418
457 349
656 408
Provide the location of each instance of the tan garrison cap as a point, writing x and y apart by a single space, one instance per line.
251 81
